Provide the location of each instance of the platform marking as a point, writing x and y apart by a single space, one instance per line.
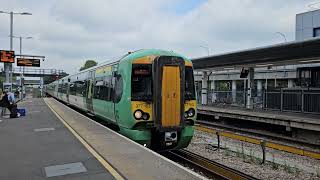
59 170
108 167
131 141
34 111
44 129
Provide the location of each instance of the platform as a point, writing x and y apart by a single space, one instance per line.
55 142
287 119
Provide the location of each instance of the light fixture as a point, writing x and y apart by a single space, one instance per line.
228 68
310 61
263 65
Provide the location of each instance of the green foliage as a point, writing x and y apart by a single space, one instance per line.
88 64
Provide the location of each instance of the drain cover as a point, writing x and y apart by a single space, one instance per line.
64 169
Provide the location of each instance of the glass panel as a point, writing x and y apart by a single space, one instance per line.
141 82
189 89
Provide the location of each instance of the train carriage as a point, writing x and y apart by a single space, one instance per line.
148 94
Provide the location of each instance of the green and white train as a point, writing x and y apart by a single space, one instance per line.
148 94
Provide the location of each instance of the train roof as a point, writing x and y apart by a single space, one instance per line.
131 56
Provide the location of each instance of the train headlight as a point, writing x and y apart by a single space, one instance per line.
186 114
191 112
138 114
145 116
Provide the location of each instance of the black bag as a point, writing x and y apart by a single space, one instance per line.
13 111
4 102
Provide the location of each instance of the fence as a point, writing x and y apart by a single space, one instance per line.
293 100
236 98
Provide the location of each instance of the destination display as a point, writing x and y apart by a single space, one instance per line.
28 62
6 56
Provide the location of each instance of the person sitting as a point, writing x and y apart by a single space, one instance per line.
4 102
9 102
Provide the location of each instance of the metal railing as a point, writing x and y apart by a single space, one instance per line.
36 71
294 100
236 98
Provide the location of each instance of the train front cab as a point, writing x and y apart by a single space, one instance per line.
163 102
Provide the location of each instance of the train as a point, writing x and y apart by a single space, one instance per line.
149 95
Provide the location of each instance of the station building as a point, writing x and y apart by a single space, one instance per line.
225 86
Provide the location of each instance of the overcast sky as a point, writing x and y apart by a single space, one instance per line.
68 32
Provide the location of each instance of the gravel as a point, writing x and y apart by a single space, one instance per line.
246 157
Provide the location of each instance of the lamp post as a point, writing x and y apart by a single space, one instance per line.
207 48
8 66
283 35
20 38
22 95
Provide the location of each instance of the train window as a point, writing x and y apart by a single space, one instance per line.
108 88
97 94
65 88
60 88
316 32
72 89
118 89
79 88
189 86
141 82
103 88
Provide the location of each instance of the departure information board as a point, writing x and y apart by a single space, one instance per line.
28 62
6 56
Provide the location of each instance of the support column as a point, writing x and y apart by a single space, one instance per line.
290 83
204 88
234 91
259 88
249 88
213 88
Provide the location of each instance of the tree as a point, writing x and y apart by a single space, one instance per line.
88 64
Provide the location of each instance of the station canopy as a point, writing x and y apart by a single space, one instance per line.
296 52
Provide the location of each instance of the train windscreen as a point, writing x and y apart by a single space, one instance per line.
189 88
141 82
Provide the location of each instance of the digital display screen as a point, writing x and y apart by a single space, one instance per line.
6 56
28 62
142 72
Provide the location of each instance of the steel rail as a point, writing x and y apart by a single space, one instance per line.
210 168
270 143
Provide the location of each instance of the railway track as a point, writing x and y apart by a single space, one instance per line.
264 134
207 167
270 141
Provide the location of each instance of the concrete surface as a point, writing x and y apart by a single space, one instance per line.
131 159
39 146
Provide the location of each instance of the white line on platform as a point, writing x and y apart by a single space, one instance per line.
44 129
111 170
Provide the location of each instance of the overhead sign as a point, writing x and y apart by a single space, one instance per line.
28 62
6 56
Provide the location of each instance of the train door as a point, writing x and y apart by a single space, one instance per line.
89 102
68 90
109 83
169 91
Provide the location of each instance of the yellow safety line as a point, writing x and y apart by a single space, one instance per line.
112 171
272 145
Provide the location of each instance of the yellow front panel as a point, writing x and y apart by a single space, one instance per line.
170 96
190 104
